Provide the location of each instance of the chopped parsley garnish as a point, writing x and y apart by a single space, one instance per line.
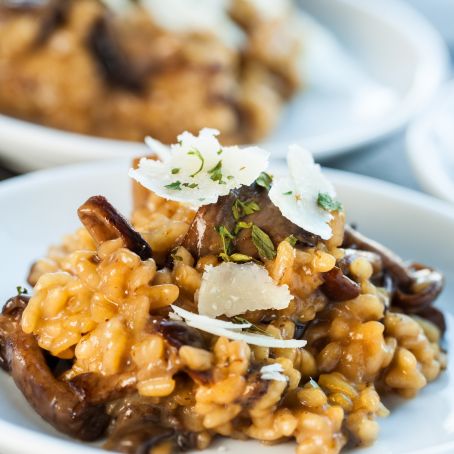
287 193
219 151
197 154
326 202
216 173
175 170
263 243
21 290
264 180
243 208
176 186
292 240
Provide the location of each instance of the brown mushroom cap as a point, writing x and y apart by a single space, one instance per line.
104 223
415 286
55 401
338 286
202 237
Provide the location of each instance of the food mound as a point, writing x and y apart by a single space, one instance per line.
221 315
125 69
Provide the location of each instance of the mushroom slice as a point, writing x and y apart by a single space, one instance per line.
62 405
351 255
338 286
424 289
202 237
435 316
104 223
416 286
391 261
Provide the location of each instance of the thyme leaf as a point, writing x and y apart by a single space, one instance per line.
263 243
242 208
264 180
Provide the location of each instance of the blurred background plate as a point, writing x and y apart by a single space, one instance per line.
369 66
430 146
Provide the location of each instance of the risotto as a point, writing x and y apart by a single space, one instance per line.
123 69
167 332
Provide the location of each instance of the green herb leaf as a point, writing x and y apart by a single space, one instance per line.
243 208
242 225
216 173
176 186
326 202
287 193
220 151
236 210
197 154
21 290
190 185
226 239
175 171
263 243
292 240
264 180
240 258
224 257
250 207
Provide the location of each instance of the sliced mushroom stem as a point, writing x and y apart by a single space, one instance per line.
105 223
391 261
55 401
416 286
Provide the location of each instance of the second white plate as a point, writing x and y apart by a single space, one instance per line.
369 67
430 145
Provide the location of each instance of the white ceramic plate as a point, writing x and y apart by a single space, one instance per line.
369 67
37 209
430 145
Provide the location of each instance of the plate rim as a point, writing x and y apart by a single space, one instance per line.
422 152
22 438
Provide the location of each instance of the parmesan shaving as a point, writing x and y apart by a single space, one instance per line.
198 169
212 326
232 289
190 316
296 196
273 372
